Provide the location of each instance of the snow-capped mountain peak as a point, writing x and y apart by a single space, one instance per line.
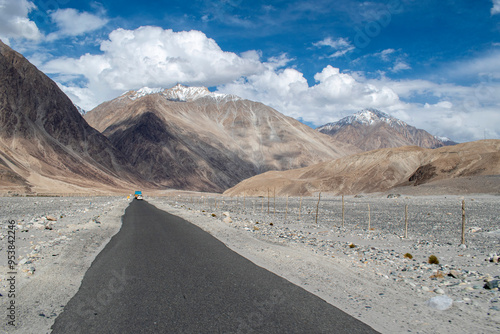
370 116
371 129
180 93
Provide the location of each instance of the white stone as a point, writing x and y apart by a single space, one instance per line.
440 303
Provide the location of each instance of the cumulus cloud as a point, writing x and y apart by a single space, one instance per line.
496 7
334 95
341 45
459 112
74 23
14 20
154 57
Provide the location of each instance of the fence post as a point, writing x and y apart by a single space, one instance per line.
406 221
317 207
286 212
369 218
268 201
274 198
342 211
463 222
300 208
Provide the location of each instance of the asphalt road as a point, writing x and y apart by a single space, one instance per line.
162 274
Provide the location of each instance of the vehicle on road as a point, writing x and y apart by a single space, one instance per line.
138 195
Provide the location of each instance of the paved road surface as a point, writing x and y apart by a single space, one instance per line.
162 274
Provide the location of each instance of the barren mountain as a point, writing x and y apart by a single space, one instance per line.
381 170
45 144
191 138
371 129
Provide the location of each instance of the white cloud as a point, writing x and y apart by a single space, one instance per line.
334 95
461 113
384 55
73 23
342 46
154 57
400 66
14 20
496 7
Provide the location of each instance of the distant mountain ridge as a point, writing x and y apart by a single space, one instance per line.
372 129
191 138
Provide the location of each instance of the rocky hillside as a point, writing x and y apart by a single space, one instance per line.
190 138
381 170
371 129
45 144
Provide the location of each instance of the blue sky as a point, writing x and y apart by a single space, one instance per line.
432 63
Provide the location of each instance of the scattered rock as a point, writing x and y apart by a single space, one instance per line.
51 218
440 303
455 274
393 195
494 284
227 220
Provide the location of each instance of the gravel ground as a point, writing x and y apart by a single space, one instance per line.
56 241
360 270
364 270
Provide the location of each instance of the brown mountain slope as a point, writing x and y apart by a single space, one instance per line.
45 144
189 138
371 129
380 170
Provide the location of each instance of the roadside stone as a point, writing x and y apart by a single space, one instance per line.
493 284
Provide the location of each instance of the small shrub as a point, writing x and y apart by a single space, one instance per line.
408 256
351 245
255 228
214 215
271 224
433 259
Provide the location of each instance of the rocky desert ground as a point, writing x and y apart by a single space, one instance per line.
370 271
57 239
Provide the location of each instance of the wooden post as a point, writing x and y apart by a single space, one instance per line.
268 199
244 200
286 212
342 211
317 208
262 206
274 196
463 222
369 218
406 221
300 208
